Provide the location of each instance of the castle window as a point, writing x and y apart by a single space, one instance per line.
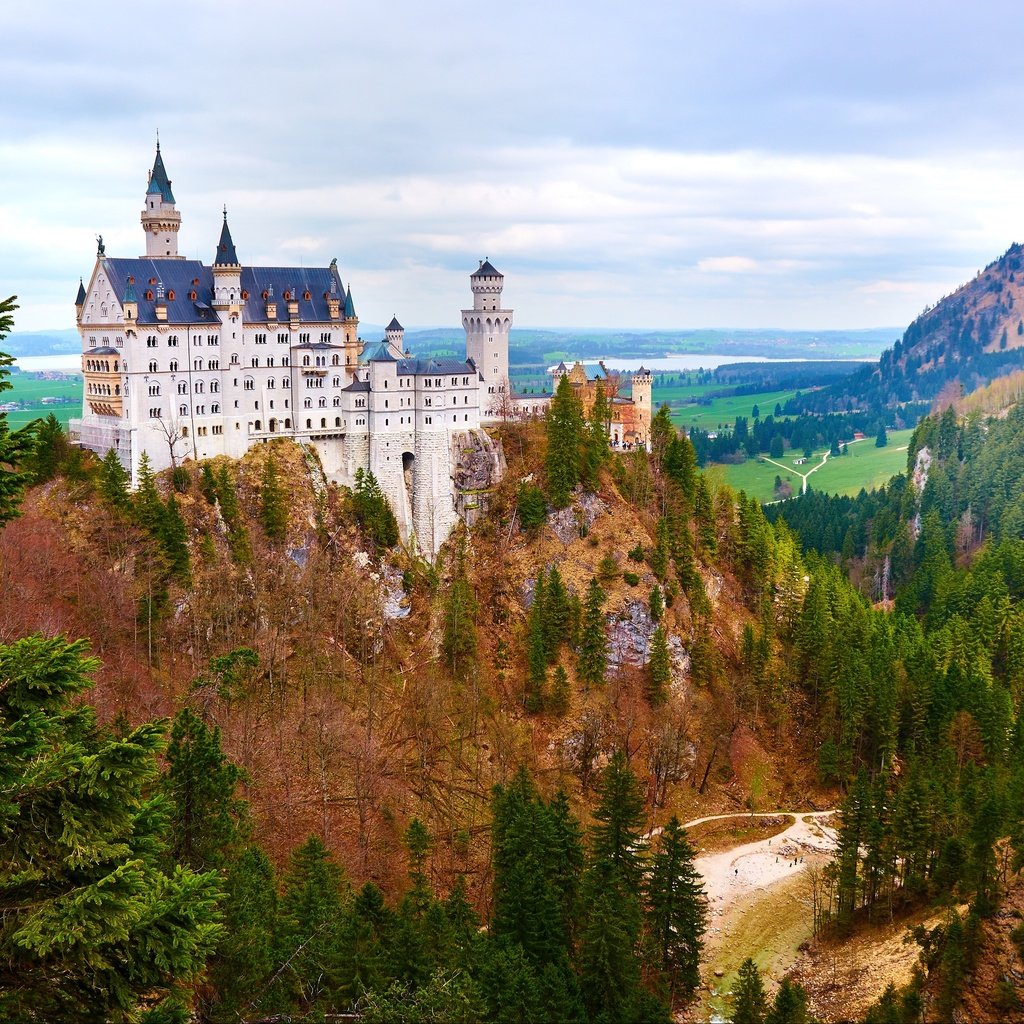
286 382
150 341
182 388
213 364
465 381
426 401
201 411
335 382
305 360
249 384
325 337
261 339
285 361
337 421
152 366
199 387
197 364
309 424
385 421
174 366
234 359
282 339
155 414
212 339
172 341
255 361
322 403
437 382
303 339
270 360
385 403
323 422
337 402
182 410
427 383
429 419
336 360
215 408
307 403
154 390
270 382
214 387
218 429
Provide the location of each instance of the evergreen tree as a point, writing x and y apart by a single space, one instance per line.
113 483
659 669
273 506
704 518
564 428
173 539
610 966
207 821
15 445
593 648
458 640
533 511
95 926
536 650
50 451
146 503
596 447
657 604
883 438
789 1006
312 920
373 510
244 964
676 912
556 614
558 701
231 512
662 432
749 1002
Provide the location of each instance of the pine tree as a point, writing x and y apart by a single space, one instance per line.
883 438
662 432
564 427
113 482
95 924
749 1002
676 912
244 964
596 448
373 510
207 820
459 638
173 539
231 512
556 614
558 700
657 604
593 649
610 966
146 503
15 445
789 1006
312 922
704 517
659 669
536 650
273 507
50 451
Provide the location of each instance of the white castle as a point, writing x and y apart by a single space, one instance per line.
187 361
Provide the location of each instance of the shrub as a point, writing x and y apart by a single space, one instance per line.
631 578
637 554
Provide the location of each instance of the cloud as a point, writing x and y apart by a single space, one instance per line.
727 265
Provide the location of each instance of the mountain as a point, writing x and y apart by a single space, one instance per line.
42 343
964 341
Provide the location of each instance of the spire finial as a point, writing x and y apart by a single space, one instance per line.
225 213
158 140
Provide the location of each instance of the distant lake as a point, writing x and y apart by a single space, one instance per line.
66 361
697 361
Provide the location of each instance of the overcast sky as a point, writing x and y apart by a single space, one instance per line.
825 164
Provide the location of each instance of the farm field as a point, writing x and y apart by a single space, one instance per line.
31 389
865 466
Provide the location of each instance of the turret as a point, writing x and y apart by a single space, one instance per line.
394 334
80 300
160 219
350 327
640 392
227 272
130 303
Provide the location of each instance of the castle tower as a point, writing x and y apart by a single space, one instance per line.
640 392
160 220
227 273
487 328
350 327
394 334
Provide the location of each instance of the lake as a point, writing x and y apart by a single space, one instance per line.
697 361
65 361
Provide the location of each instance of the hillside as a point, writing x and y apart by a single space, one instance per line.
965 340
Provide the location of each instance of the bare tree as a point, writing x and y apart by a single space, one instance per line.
173 433
502 404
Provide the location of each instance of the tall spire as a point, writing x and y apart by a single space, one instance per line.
158 180
350 306
226 255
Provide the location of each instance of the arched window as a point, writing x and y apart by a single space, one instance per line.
183 409
336 360
199 387
174 366
308 403
305 360
152 366
215 407
182 387
309 424
337 402
270 382
337 421
322 403
323 423
214 387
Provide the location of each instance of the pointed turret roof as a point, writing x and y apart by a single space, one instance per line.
486 270
80 301
158 180
226 255
350 306
129 290
382 354
394 325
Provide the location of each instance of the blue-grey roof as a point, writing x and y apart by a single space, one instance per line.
158 180
103 350
177 276
486 270
226 255
358 385
394 325
80 300
381 354
350 306
129 290
443 364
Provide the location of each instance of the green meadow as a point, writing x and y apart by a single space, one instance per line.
865 466
30 389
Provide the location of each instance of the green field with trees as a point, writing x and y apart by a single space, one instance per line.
864 466
29 390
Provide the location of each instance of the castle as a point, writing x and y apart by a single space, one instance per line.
183 360
629 419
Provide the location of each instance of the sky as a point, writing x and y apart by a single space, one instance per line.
772 163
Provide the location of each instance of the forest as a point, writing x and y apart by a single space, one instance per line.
262 764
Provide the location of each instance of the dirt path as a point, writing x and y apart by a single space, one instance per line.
813 469
758 902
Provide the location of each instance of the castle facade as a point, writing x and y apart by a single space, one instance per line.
187 361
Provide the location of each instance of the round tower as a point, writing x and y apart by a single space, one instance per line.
394 334
227 273
160 219
487 327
